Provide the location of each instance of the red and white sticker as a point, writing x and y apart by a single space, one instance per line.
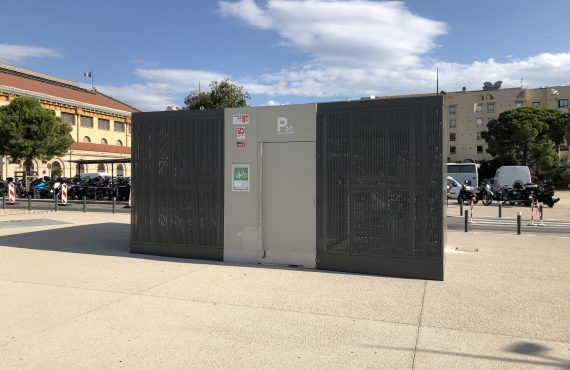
241 144
240 133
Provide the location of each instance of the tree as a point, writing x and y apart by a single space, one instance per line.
28 131
527 136
223 94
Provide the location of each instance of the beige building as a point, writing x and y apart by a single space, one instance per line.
466 114
101 124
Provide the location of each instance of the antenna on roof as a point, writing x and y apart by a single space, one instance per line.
437 80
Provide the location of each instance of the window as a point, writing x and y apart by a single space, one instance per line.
489 120
519 104
452 136
103 124
490 108
452 123
479 122
101 167
104 141
536 104
129 129
68 118
86 139
479 135
563 103
451 150
452 109
119 143
479 108
479 149
86 121
119 126
120 170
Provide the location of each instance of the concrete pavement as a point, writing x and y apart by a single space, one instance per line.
72 296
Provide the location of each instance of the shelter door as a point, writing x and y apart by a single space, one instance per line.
288 203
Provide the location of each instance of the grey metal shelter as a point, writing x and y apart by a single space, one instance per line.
348 186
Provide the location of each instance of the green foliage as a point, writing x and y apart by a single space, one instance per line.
29 131
527 136
565 175
487 169
223 94
56 172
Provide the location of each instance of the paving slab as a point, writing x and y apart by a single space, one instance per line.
451 349
28 309
350 295
151 332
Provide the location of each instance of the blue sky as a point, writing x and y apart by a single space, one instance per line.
281 51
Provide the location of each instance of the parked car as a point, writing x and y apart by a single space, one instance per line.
454 187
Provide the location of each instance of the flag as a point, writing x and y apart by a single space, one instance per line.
87 74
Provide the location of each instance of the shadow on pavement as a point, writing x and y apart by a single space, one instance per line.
113 239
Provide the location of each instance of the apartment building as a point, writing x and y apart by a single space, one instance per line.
467 113
101 124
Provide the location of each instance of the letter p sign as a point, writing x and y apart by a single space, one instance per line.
281 124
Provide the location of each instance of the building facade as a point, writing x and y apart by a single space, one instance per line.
467 113
101 124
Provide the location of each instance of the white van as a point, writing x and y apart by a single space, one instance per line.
462 172
507 175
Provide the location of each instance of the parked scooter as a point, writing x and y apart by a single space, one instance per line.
469 194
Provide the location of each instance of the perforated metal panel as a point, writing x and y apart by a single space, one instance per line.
177 184
380 187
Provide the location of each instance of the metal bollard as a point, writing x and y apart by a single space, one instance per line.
29 202
3 200
84 204
114 204
500 210
461 208
55 200
466 220
519 217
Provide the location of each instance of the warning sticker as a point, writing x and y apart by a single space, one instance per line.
241 144
240 133
240 119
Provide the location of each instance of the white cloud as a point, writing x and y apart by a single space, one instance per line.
354 48
161 87
11 53
354 33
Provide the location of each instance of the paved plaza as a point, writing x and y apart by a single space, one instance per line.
72 296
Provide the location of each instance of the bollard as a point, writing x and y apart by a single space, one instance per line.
84 204
519 217
114 204
466 220
500 210
461 207
55 200
540 212
3 200
29 202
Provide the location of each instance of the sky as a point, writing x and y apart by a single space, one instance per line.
153 54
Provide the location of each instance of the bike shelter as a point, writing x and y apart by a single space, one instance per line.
348 186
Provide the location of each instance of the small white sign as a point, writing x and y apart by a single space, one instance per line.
240 119
283 127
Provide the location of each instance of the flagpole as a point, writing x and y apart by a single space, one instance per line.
92 79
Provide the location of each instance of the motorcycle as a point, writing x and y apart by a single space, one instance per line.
469 194
545 195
